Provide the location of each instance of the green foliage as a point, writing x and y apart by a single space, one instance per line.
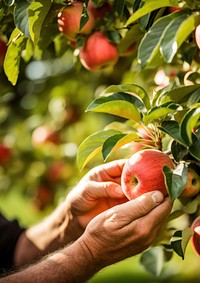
154 86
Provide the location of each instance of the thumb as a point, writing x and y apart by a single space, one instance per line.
142 205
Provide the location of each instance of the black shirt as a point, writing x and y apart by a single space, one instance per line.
9 234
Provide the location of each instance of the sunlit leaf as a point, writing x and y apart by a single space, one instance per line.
169 43
91 146
149 6
175 179
150 44
132 89
158 112
119 104
188 123
115 142
12 59
37 12
21 17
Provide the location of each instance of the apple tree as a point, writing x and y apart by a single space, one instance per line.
141 59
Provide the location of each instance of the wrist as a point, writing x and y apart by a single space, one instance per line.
66 224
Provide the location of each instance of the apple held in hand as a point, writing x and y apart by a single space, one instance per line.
192 187
196 235
98 52
143 173
69 21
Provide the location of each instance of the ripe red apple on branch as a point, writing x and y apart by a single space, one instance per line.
3 49
5 153
196 235
98 52
69 21
99 12
192 187
197 36
143 173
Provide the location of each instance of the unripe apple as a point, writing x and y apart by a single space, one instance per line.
98 52
196 235
197 36
3 49
143 173
192 187
69 21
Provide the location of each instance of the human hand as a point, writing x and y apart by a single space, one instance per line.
98 191
126 229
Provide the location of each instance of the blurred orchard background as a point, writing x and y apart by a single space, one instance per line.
46 86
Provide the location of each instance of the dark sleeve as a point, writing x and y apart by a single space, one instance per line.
9 235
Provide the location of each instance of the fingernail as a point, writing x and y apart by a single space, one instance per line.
157 197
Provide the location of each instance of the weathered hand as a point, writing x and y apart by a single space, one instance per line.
126 229
98 191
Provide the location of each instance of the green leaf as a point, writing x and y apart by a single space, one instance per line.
188 123
178 151
37 13
149 6
134 34
159 111
182 94
194 149
91 146
21 17
172 129
115 142
119 104
12 59
170 43
132 89
180 241
151 42
194 98
153 260
176 243
175 179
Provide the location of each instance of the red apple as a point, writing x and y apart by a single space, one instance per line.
98 52
99 12
5 153
197 36
196 235
3 49
192 187
143 173
44 134
69 21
